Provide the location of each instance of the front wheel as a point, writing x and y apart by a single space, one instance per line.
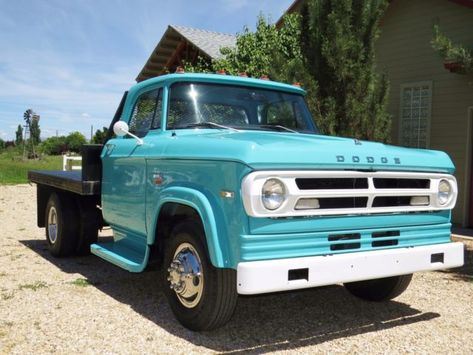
379 290
201 296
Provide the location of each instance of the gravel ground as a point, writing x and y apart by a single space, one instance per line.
86 305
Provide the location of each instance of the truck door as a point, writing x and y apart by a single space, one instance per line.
124 168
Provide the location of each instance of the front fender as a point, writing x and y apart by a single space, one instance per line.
215 230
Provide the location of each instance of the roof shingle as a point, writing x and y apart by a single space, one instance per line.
208 41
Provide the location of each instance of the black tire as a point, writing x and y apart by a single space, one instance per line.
88 228
214 305
379 290
63 234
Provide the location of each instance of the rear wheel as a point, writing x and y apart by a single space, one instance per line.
62 224
201 296
379 289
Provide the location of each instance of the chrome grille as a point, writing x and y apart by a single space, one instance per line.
347 192
342 202
331 183
360 183
401 183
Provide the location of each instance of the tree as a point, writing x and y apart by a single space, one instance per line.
330 49
53 145
255 51
2 144
267 51
35 131
74 141
337 38
62 144
99 136
19 136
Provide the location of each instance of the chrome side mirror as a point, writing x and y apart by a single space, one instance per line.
121 129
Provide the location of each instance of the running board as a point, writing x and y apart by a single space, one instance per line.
121 254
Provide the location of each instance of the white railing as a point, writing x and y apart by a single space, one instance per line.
70 162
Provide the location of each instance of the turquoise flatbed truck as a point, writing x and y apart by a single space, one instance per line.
226 186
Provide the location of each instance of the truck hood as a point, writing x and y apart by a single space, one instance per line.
266 150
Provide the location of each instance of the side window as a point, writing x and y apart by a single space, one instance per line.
147 113
157 112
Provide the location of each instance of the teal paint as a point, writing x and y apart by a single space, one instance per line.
197 184
126 251
276 246
197 164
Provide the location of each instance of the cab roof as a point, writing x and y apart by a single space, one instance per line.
166 80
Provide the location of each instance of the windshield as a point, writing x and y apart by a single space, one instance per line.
194 104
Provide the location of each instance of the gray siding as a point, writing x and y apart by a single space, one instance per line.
404 52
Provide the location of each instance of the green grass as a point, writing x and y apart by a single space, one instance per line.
34 286
6 296
80 282
14 170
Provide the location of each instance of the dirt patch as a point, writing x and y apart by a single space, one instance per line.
84 304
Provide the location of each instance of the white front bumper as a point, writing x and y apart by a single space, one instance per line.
273 275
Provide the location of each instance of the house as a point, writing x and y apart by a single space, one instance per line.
184 44
431 106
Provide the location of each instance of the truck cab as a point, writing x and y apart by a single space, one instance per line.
227 184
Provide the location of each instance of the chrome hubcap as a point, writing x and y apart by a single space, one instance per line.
52 225
185 275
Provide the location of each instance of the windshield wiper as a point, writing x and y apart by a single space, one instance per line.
209 125
277 127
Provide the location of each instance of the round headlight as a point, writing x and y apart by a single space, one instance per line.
273 194
444 192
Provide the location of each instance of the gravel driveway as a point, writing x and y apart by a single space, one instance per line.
86 305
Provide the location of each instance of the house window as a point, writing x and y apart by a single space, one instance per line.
416 101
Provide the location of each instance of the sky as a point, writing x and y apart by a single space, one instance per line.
70 61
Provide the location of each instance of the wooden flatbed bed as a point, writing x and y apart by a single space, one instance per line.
65 180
